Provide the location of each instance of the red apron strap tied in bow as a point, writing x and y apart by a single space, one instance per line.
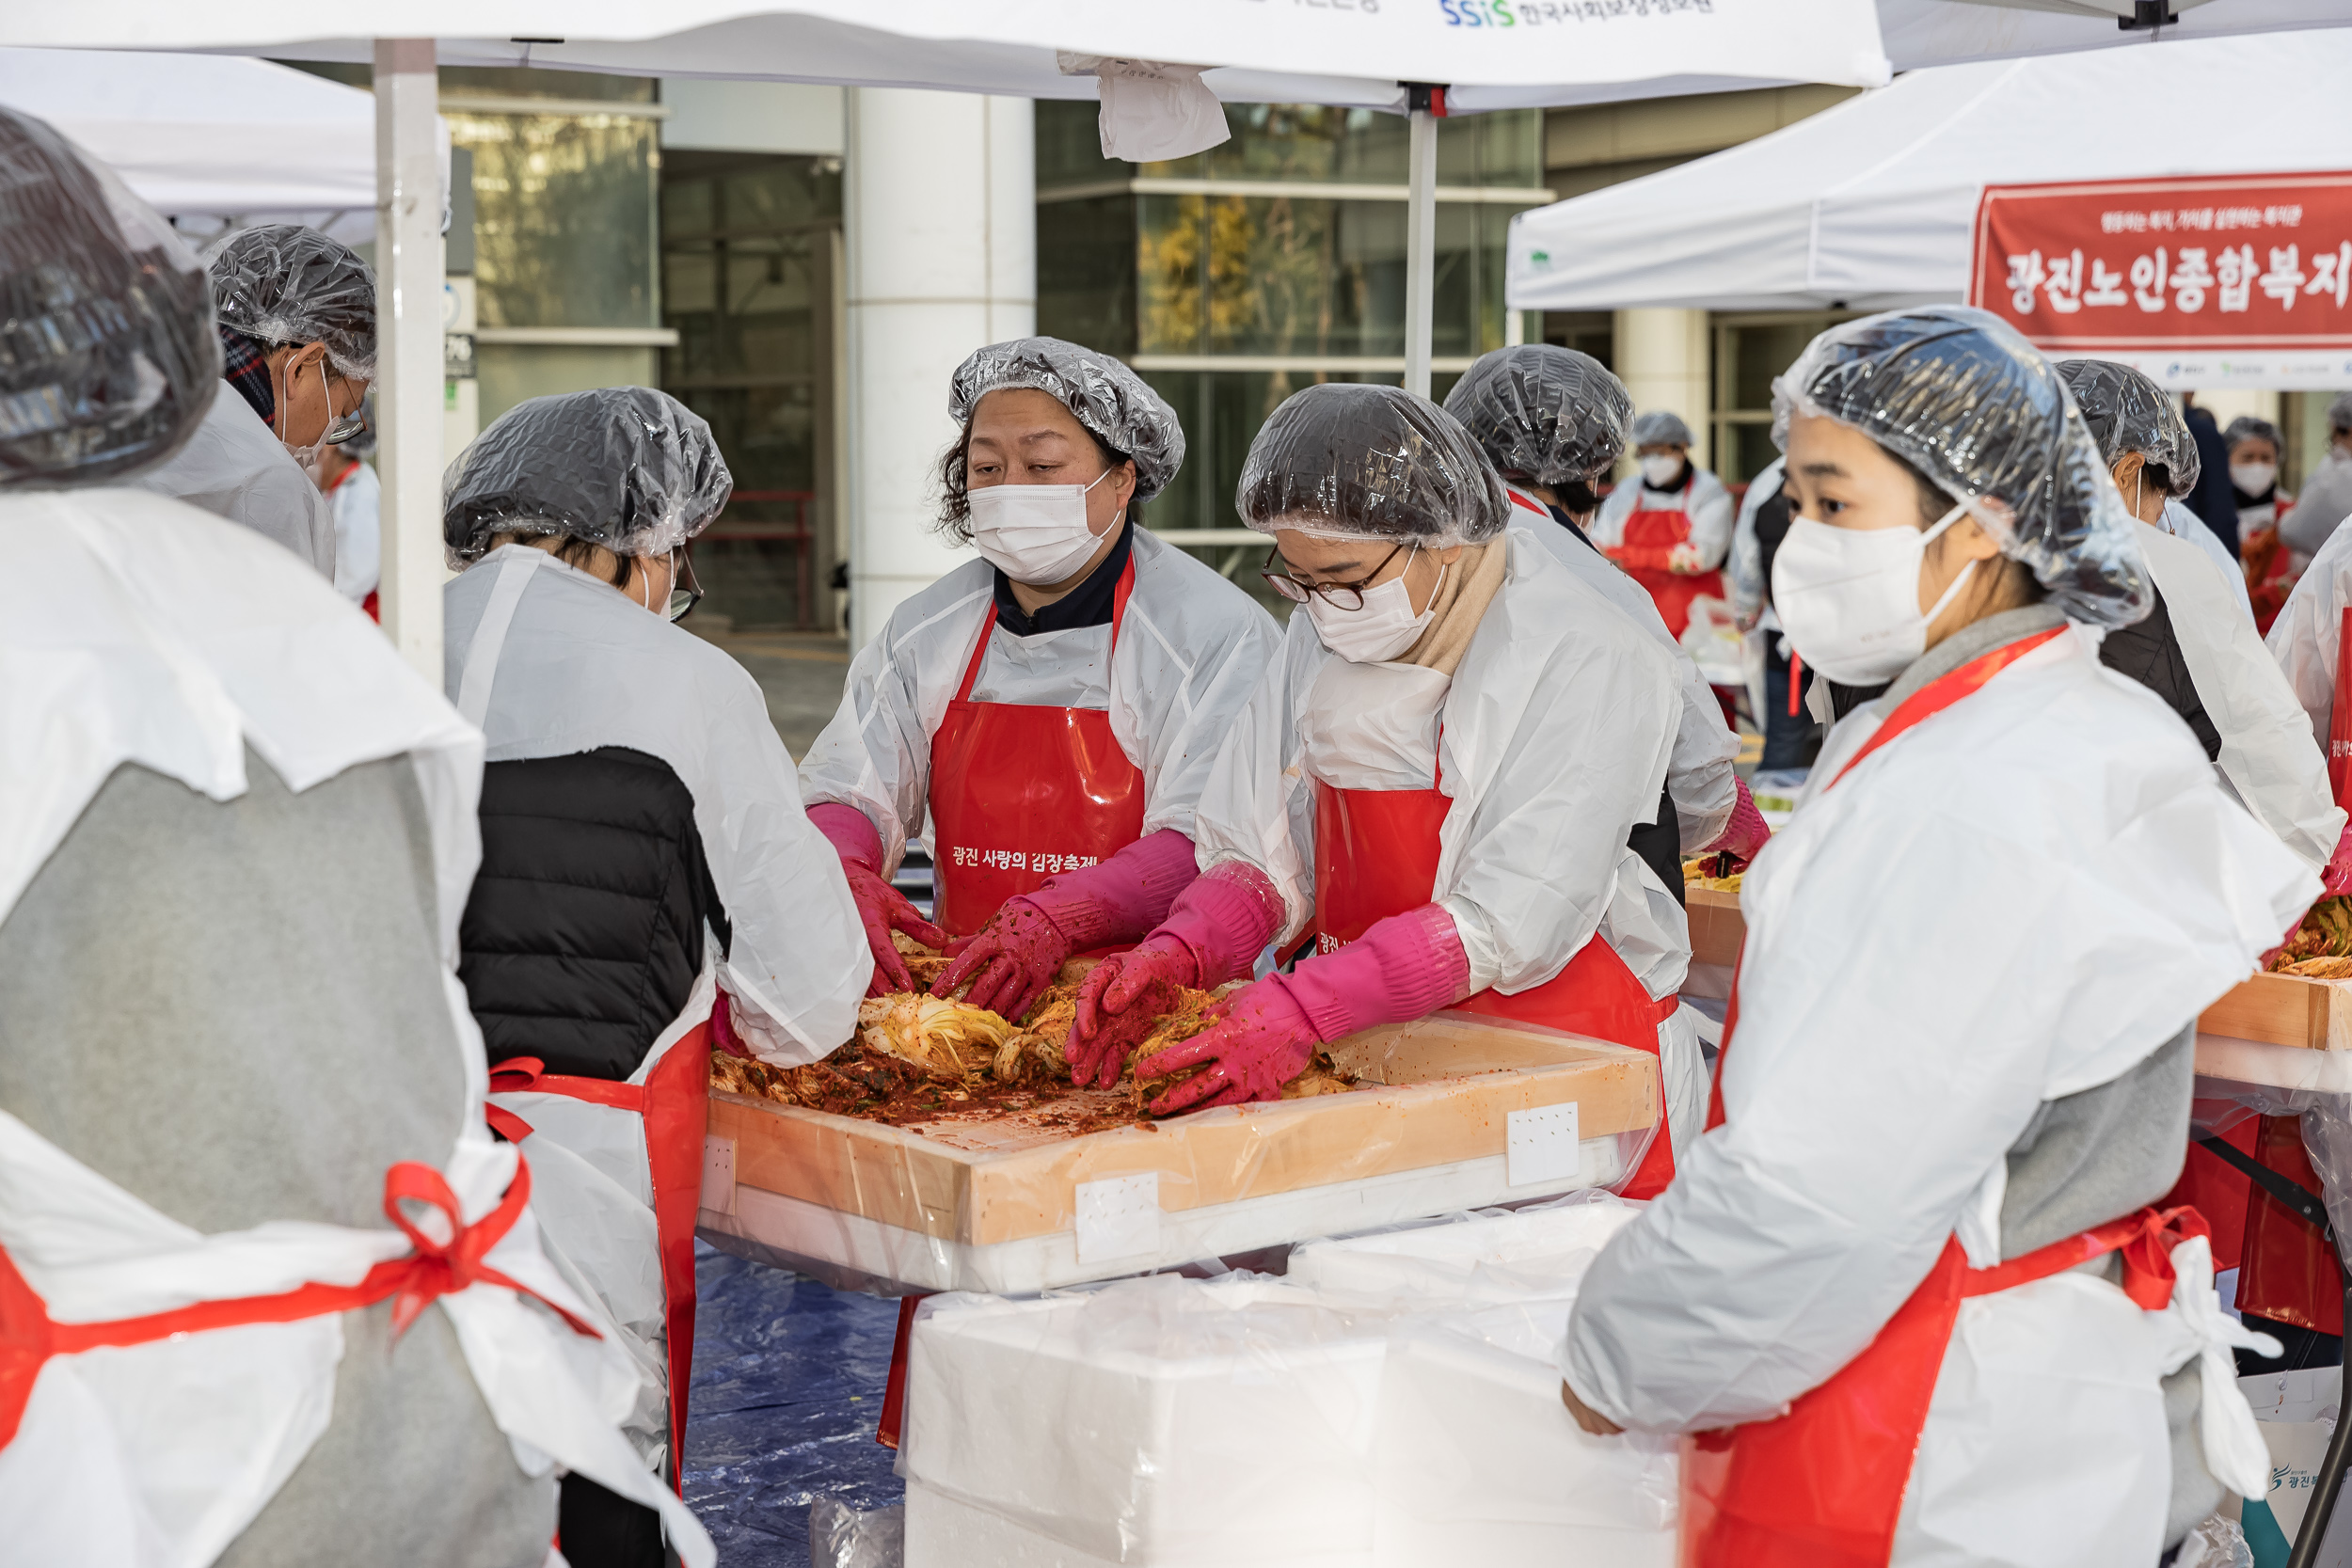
2145 1240
439 1266
528 1075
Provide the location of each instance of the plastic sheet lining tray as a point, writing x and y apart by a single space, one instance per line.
1467 1112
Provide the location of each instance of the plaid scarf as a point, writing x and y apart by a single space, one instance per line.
245 368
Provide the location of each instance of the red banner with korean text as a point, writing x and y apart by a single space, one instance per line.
2255 261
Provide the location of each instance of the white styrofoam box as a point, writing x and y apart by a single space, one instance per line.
942 1531
1476 1461
851 1252
1162 1422
1533 1254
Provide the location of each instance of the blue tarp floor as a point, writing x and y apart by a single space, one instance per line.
788 1379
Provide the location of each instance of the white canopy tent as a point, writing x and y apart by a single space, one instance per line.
225 138
1870 205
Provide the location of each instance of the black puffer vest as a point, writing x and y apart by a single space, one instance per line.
583 935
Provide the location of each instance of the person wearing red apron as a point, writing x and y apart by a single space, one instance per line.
1044 716
1552 421
1907 1299
650 886
1672 529
1436 781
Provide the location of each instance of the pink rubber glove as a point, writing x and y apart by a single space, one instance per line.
1747 830
880 908
1404 967
1016 955
2338 876
1214 933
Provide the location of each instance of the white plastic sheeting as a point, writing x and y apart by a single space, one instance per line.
1870 205
1394 1402
213 137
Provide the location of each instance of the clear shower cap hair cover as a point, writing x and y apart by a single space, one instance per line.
283 283
108 359
2127 412
1961 397
1659 428
1544 413
626 468
1106 397
1347 461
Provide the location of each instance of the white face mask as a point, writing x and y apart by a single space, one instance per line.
1383 629
1035 533
1849 598
2252 479
1658 472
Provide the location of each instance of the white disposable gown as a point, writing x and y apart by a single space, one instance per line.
1706 499
143 631
2180 523
234 467
2266 759
1189 650
2318 514
2074 889
1701 777
1557 730
570 665
2309 632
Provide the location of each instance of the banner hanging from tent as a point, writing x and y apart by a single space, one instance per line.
2212 281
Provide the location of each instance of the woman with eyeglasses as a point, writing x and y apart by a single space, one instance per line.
1046 714
650 885
296 312
1436 779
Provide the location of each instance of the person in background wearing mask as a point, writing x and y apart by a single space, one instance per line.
1671 531
650 886
356 499
1906 1294
1047 713
297 325
2326 498
2255 446
244 1156
1438 777
1552 421
2197 647
2211 500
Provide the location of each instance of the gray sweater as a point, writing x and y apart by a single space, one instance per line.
234 1011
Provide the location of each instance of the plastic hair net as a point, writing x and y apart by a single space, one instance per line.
1110 399
1659 428
2339 411
1961 397
2248 427
108 359
626 468
1343 460
282 283
2127 412
1545 413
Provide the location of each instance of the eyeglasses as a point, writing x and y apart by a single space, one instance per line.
685 593
1342 595
350 426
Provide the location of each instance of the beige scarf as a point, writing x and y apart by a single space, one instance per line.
1460 603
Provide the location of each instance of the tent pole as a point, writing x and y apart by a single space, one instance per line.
408 285
1420 247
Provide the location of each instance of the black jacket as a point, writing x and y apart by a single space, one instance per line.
583 935
2150 653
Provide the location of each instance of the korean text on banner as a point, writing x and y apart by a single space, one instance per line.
2118 267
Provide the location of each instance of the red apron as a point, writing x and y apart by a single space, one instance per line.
1376 855
28 1337
2285 1269
1021 791
674 1102
1822 1486
1673 591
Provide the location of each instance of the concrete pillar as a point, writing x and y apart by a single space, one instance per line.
939 198
1662 358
